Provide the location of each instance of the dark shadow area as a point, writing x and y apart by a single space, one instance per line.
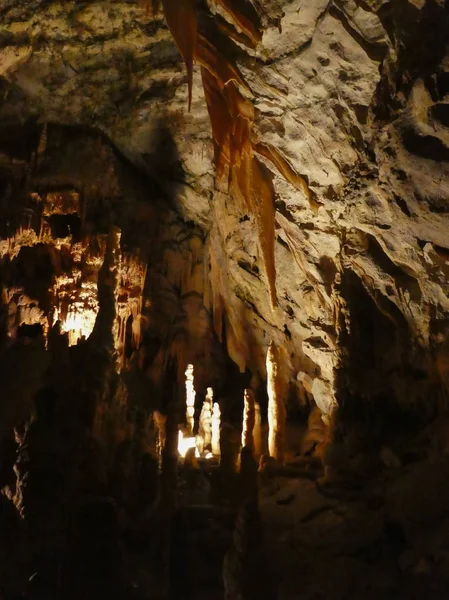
63 226
30 331
381 384
34 270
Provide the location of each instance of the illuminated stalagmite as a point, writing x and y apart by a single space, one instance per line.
257 432
249 419
277 413
216 422
205 425
190 399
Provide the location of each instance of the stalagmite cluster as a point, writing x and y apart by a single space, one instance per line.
208 436
51 242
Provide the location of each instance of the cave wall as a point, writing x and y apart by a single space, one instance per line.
351 96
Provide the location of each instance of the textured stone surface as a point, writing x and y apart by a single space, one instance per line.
355 97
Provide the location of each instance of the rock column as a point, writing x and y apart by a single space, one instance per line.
277 413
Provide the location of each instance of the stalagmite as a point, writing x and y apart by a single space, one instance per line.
160 423
248 476
190 399
276 408
105 331
168 487
229 456
216 422
248 420
205 425
257 432
246 572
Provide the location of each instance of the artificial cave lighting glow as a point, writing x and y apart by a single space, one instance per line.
206 421
77 324
185 444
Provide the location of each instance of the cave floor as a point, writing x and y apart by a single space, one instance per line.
386 540
372 533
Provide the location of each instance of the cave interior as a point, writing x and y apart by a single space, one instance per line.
224 310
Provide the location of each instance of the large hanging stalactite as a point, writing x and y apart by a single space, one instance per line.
232 116
181 17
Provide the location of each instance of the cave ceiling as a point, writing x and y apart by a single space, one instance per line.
302 199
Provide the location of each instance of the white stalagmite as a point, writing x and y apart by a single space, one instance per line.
216 421
257 432
205 426
190 399
248 420
277 413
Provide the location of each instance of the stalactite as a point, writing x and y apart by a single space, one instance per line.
216 425
251 182
263 201
231 32
182 20
232 116
276 408
283 166
190 399
221 122
223 70
249 419
244 15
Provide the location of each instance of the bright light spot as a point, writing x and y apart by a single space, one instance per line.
185 444
77 324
